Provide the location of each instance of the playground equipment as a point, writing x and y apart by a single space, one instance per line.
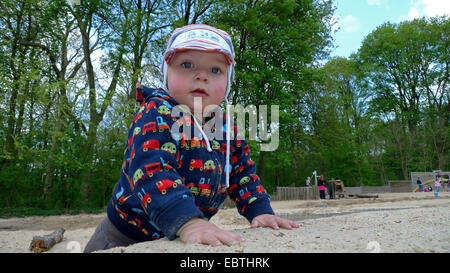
428 177
431 181
315 177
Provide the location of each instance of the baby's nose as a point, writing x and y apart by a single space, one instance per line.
201 76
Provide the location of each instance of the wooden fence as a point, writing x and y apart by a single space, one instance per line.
295 193
287 193
400 185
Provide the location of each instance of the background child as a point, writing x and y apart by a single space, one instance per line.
322 187
172 183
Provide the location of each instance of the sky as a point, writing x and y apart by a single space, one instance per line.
355 19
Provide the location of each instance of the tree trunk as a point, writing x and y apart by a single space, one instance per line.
54 150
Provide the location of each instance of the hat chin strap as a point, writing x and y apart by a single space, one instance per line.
164 70
228 120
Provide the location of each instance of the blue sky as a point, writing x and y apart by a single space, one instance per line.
357 18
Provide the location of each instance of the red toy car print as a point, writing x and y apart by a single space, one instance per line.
260 189
164 184
232 187
195 143
146 200
152 168
136 118
152 144
149 105
234 159
122 199
180 160
238 143
224 148
149 127
250 162
254 177
196 164
246 150
238 168
130 141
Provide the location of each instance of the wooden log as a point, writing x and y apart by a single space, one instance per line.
366 195
44 243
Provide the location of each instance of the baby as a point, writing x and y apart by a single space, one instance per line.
172 182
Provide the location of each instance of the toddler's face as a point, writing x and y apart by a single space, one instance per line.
198 74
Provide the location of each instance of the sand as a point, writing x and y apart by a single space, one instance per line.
393 222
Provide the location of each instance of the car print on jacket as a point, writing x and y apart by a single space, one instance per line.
170 148
151 144
196 164
162 125
149 127
209 166
138 175
165 184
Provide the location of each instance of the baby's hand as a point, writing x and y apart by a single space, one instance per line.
272 221
200 231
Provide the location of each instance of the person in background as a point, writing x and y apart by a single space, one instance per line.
419 183
322 186
437 184
308 181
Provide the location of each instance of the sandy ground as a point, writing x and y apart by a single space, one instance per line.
393 222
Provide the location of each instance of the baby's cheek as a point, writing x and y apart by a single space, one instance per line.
219 91
176 84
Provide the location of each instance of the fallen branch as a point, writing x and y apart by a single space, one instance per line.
44 243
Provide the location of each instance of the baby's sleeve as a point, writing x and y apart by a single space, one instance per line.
152 170
245 186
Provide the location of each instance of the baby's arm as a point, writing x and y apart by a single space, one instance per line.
245 188
152 171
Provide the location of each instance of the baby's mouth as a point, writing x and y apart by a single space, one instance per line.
199 92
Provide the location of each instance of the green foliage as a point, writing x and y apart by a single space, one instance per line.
373 117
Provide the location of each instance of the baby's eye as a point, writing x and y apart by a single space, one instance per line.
215 70
186 65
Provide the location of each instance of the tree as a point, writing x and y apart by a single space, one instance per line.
404 68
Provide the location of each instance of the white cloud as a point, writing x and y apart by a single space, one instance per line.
413 13
428 8
379 3
348 24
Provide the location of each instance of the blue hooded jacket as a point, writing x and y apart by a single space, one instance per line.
167 179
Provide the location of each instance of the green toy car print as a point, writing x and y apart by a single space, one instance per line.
169 147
